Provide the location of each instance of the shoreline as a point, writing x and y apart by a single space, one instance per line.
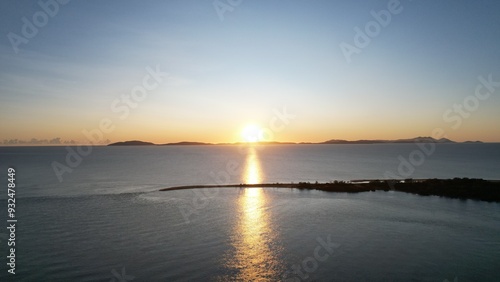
456 188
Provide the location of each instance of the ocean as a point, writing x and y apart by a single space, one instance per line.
106 220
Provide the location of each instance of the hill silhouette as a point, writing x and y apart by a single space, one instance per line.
332 141
132 143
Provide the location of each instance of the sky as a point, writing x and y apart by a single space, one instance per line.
300 71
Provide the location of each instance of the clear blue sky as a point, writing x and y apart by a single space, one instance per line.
262 56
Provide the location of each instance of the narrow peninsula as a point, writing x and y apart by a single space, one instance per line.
460 188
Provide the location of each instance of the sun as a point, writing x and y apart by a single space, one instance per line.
251 133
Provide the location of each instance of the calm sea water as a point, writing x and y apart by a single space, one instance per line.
106 220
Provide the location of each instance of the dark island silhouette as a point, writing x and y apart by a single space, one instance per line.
186 143
460 188
333 141
132 143
411 140
142 143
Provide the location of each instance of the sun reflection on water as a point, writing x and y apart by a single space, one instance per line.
256 250
252 173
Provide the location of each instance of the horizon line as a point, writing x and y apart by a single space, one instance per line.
199 143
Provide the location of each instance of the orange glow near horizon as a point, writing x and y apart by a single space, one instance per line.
250 133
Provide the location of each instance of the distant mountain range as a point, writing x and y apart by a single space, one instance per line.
412 140
142 143
333 141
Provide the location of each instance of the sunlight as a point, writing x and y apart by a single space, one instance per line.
254 257
251 133
252 174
